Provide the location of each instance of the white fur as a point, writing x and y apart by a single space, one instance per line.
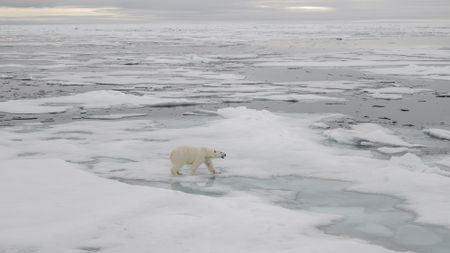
193 156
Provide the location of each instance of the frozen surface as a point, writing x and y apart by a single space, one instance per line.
367 134
323 103
438 133
139 149
441 72
373 217
92 99
80 212
393 92
393 150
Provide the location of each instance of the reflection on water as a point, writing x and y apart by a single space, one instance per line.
375 218
197 187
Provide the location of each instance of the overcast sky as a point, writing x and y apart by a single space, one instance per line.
218 10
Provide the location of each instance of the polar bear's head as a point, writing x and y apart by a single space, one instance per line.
212 153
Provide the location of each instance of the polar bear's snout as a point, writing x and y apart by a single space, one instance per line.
220 154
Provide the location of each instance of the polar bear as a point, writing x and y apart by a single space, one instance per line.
193 156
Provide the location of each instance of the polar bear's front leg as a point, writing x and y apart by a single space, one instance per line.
175 170
210 166
194 167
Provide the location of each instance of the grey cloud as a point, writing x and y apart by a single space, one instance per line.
235 10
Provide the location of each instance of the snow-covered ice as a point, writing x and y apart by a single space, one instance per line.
139 149
89 113
366 134
393 150
114 116
431 71
438 133
394 92
80 212
92 99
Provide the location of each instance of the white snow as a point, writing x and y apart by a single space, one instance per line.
115 116
444 162
200 112
366 134
393 150
298 98
29 106
438 133
338 84
63 209
257 143
397 90
394 92
320 125
278 96
430 70
92 99
329 86
329 63
48 204
386 96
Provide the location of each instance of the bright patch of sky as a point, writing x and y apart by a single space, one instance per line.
218 10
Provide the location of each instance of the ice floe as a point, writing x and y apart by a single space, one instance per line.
287 97
438 133
80 212
200 112
92 99
259 144
320 125
393 150
115 116
394 92
366 134
430 71
167 66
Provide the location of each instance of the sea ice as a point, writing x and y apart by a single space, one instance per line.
426 70
393 150
278 96
438 133
393 92
333 85
320 125
367 132
92 99
397 90
200 112
386 96
298 97
80 212
411 162
114 116
139 149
